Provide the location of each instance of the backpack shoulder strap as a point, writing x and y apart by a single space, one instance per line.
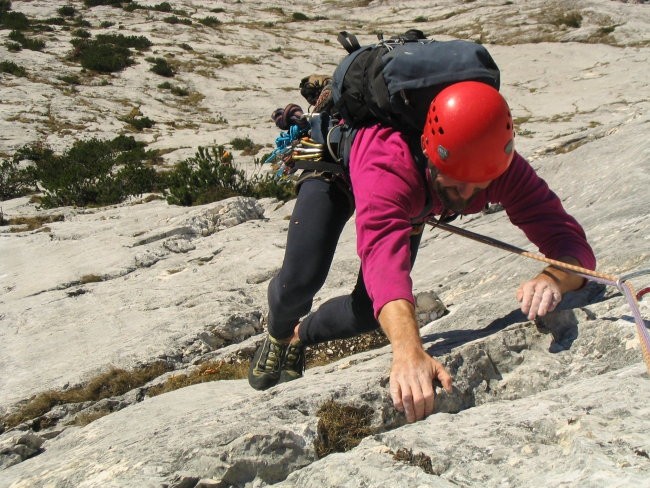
421 162
348 41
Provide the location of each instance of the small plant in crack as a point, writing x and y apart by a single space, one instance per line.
419 460
341 427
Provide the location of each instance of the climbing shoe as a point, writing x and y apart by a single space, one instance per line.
264 371
294 363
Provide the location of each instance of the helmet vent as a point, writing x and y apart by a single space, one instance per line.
441 131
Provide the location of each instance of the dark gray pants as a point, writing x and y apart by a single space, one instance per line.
321 211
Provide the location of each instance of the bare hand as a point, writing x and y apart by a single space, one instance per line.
412 380
539 296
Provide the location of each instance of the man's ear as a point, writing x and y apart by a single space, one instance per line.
424 150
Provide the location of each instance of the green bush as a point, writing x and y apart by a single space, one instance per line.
242 143
66 11
137 42
161 67
70 79
210 176
82 33
162 7
139 123
14 20
97 3
5 6
27 43
13 46
12 68
105 24
92 172
299 16
45 25
15 181
210 21
177 20
99 56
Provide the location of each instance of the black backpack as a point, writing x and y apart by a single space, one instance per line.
391 82
394 81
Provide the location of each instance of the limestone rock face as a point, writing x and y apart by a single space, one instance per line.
562 400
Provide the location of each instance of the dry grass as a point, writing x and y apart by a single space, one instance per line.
86 418
113 382
419 460
210 371
341 427
26 224
90 278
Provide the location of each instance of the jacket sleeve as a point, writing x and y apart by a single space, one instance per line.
388 191
533 207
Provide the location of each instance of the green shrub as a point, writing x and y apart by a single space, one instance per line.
105 24
14 180
12 68
210 176
82 33
137 42
80 22
27 43
13 46
70 79
162 7
180 91
98 56
139 123
210 21
5 6
241 143
186 46
299 16
66 11
161 67
14 20
177 20
92 172
97 3
246 145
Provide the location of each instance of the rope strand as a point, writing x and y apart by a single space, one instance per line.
623 286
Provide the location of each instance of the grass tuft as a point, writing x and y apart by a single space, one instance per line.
341 427
111 383
31 223
419 460
210 371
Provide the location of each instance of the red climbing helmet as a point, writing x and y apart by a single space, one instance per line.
468 133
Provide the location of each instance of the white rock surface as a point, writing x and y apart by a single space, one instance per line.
560 402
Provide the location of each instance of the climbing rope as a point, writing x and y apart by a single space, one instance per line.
621 283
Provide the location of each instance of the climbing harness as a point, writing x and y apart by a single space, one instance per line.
621 282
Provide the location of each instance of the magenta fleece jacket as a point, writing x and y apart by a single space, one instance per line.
389 191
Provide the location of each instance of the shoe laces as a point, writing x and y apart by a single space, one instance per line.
294 355
275 352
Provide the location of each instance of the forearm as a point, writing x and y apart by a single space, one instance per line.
397 320
565 280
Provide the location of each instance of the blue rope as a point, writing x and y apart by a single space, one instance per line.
284 142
